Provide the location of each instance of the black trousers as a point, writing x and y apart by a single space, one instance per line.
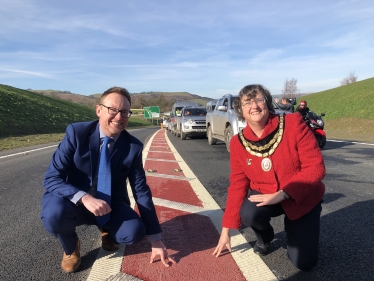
302 234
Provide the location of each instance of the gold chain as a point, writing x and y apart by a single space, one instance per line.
272 144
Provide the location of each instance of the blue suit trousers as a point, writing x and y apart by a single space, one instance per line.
60 217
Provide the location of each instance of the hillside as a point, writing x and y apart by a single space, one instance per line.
349 110
90 101
27 113
353 100
138 100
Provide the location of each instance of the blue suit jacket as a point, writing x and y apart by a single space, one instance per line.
75 162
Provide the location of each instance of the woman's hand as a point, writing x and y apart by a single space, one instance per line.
158 248
224 242
267 199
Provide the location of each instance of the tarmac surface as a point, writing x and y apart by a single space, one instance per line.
191 223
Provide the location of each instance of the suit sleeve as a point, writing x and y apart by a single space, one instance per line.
143 196
61 163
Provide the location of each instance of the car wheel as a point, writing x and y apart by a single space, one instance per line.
228 136
183 135
211 140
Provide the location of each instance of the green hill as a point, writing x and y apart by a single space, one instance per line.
25 113
353 100
349 110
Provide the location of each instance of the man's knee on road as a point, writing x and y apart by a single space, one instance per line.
131 232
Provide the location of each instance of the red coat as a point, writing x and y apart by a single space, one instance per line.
298 169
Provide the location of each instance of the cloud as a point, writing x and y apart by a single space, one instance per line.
21 73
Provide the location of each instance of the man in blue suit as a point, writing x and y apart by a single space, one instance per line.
71 190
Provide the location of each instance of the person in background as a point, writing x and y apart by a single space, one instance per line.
285 104
73 190
303 108
275 170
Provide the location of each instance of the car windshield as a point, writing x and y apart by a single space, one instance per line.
195 112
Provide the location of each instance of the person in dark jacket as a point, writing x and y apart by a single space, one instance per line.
303 109
285 105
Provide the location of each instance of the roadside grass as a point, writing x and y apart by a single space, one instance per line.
349 110
351 101
28 118
26 113
30 140
350 128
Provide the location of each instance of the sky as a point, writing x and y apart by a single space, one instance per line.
204 47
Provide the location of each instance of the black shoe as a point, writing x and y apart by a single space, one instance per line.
261 249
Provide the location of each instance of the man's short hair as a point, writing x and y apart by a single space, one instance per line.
118 90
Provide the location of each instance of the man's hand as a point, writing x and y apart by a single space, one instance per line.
96 206
224 242
158 248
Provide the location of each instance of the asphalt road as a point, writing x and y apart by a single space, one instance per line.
28 252
347 227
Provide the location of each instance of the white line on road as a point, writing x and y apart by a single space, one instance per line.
28 151
354 142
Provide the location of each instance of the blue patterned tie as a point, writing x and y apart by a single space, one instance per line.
104 181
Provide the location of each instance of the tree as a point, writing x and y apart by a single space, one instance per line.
351 78
290 89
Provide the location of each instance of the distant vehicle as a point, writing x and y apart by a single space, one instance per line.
222 123
168 124
176 115
165 122
316 124
192 122
210 106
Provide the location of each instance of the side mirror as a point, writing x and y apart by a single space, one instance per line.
292 101
222 108
323 114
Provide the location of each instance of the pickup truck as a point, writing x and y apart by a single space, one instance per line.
176 115
192 122
222 123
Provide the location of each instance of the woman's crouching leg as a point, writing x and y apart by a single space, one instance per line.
258 218
303 239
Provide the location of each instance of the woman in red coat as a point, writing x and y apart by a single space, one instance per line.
276 168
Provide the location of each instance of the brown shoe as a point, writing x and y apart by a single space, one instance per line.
107 242
70 263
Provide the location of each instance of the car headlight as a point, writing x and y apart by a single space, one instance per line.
187 121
